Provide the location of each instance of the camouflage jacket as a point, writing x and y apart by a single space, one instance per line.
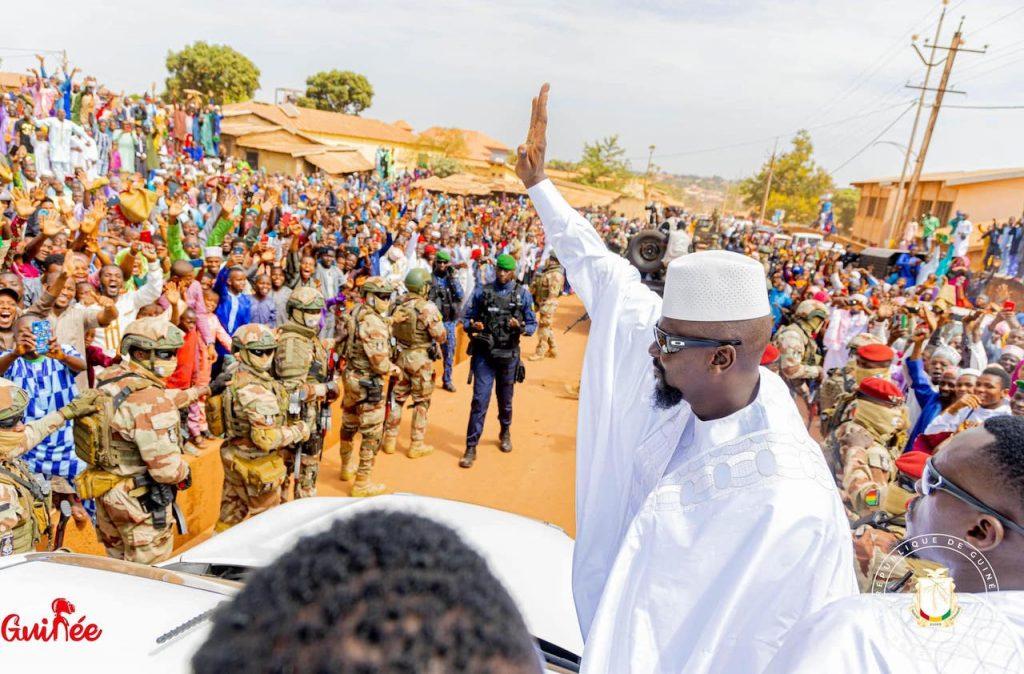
548 285
367 342
15 500
147 424
300 357
416 323
798 355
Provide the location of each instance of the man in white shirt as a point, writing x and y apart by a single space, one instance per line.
128 302
962 236
60 132
967 517
707 522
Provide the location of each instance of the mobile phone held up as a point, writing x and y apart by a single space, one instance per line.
41 331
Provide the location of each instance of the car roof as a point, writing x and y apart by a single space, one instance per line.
532 558
132 605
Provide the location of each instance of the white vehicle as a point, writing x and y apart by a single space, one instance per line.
805 239
533 559
65 612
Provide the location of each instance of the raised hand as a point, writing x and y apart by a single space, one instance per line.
228 203
91 221
24 206
175 207
530 155
51 225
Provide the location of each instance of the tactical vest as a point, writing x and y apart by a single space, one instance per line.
96 442
237 426
355 354
497 310
443 297
32 502
408 331
300 357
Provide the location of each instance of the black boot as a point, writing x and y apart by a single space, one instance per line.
505 440
468 458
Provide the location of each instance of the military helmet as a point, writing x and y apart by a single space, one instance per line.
150 334
552 258
377 285
13 400
811 309
253 336
417 279
305 298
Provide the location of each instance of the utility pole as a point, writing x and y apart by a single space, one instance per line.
955 47
647 173
897 207
768 187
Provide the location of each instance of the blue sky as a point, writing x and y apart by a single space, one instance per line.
709 83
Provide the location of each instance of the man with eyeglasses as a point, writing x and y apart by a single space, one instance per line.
968 516
707 520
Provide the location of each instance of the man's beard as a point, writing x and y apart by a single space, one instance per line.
666 396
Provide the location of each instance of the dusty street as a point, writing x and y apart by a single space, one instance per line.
535 479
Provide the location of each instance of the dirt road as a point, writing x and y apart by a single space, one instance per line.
535 479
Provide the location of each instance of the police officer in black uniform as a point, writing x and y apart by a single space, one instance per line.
498 315
446 294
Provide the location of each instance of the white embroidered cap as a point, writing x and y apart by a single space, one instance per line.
715 285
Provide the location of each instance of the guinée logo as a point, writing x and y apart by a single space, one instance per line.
57 628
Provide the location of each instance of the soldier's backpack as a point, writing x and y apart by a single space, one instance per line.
92 431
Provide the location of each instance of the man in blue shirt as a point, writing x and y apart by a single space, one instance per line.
446 294
235 307
778 299
498 315
942 371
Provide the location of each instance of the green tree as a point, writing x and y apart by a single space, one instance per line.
604 163
557 164
337 91
798 183
844 203
443 167
213 70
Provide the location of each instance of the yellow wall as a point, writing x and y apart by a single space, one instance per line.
984 201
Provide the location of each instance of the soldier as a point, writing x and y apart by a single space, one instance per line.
419 330
365 345
24 507
842 381
446 294
135 483
498 315
302 365
799 358
546 289
866 446
256 425
871 359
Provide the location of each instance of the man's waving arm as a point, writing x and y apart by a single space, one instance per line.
594 271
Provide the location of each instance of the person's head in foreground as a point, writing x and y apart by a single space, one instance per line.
715 323
973 489
378 592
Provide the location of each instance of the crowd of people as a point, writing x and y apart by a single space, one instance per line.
135 250
155 292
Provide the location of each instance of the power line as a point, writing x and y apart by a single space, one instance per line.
986 107
767 138
992 23
875 139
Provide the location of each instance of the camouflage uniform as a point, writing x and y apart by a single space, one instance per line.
301 364
866 447
546 289
418 329
145 439
256 414
798 352
366 346
842 381
24 502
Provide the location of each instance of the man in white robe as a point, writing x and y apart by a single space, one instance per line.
971 524
707 523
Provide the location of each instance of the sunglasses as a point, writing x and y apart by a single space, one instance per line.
261 352
932 480
12 422
672 343
165 354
